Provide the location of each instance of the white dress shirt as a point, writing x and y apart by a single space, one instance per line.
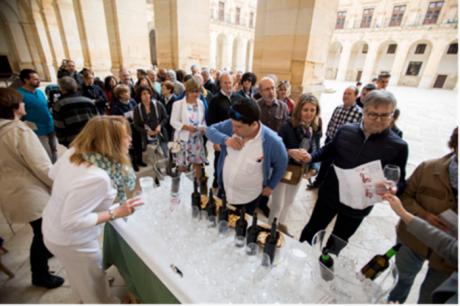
79 193
243 171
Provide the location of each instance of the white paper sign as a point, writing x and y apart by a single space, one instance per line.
356 186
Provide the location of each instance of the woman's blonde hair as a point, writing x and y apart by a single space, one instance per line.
296 115
103 135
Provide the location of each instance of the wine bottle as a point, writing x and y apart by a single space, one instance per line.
203 182
211 208
241 224
196 200
270 244
223 211
223 217
326 266
379 263
252 231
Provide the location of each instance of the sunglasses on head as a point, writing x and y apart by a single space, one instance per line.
237 115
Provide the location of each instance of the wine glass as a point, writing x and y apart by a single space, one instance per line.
392 173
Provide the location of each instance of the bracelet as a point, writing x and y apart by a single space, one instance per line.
112 214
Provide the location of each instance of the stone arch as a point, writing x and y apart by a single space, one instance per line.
386 54
19 50
357 59
220 50
446 73
415 64
333 58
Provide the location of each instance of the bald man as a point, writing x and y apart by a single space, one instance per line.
274 112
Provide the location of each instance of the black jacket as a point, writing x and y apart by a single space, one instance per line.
96 93
211 87
168 106
350 148
219 106
156 116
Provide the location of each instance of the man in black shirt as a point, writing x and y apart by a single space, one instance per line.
353 145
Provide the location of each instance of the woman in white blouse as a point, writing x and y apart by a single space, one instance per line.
188 120
86 180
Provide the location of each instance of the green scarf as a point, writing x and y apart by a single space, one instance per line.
119 178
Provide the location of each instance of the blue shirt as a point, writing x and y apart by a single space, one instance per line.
37 111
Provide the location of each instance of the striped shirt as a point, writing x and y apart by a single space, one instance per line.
71 113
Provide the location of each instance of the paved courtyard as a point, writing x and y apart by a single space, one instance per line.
427 118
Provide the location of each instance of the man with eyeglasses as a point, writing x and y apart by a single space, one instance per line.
353 145
253 158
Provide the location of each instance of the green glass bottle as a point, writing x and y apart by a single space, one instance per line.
379 263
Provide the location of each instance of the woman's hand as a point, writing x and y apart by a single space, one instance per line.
397 207
128 207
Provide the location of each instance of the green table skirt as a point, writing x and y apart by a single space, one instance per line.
141 281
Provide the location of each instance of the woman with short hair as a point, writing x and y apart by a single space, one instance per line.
188 120
283 91
87 178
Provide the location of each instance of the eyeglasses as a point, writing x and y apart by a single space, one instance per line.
381 116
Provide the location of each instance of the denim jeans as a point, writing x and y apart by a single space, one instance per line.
409 264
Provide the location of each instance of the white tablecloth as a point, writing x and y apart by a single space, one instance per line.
214 270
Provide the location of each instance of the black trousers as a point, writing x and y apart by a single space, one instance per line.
216 159
39 254
346 224
323 170
136 151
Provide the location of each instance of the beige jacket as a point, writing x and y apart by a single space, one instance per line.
428 190
24 164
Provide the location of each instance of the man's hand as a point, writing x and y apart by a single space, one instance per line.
216 147
235 143
436 221
267 191
189 128
298 155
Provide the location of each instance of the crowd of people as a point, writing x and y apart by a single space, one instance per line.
264 144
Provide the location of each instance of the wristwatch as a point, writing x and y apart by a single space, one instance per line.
112 214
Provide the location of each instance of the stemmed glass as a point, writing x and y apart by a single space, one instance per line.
392 173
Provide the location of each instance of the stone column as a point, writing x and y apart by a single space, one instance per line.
45 49
292 40
369 63
212 49
344 61
182 29
128 34
228 52
67 20
429 73
93 35
398 64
